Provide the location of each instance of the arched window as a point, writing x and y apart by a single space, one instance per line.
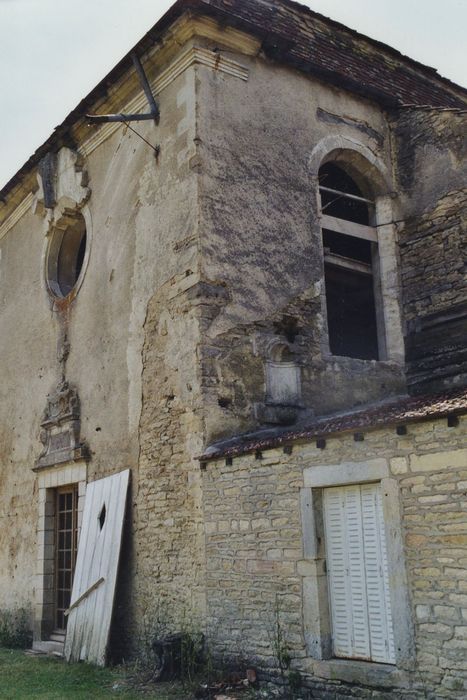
350 266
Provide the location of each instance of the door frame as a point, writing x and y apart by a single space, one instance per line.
316 608
49 479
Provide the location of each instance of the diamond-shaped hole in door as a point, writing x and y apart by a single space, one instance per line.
101 517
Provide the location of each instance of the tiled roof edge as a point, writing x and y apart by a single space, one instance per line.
401 411
61 135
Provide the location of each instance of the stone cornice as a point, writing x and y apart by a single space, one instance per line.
17 213
190 56
227 37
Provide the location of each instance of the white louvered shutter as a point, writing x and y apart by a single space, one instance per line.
358 573
338 573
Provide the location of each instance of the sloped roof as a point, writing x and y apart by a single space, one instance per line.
295 35
396 412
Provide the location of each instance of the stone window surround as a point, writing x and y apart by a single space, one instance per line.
64 215
342 149
316 614
49 479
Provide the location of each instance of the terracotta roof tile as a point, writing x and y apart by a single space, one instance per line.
294 34
397 412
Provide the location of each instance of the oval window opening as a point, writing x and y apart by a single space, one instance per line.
66 256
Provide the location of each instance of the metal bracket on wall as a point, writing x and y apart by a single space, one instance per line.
154 109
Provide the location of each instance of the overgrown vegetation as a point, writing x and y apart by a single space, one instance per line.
26 677
188 667
290 678
45 678
167 656
195 660
15 630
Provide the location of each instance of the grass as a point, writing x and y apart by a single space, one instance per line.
46 678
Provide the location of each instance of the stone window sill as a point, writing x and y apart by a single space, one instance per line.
359 672
360 362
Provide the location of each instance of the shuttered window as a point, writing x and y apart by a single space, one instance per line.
358 573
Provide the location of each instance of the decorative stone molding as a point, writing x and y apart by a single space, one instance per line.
17 214
236 40
190 56
370 164
187 29
62 179
61 427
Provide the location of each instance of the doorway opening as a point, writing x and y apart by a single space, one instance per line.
66 544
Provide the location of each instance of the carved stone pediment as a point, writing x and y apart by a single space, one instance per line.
60 428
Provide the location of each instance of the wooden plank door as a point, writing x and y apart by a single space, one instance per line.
92 598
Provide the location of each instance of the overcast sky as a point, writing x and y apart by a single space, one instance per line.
53 52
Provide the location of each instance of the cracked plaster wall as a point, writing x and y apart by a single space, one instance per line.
143 240
261 242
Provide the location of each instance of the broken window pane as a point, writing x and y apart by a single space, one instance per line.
66 253
70 257
351 313
334 184
350 299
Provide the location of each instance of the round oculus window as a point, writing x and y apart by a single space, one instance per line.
66 255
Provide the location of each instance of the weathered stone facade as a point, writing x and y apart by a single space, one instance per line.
258 571
433 245
198 312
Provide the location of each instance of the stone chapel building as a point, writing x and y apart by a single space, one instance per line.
260 311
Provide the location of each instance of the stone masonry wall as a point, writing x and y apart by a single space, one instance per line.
430 161
437 241
255 560
433 267
168 585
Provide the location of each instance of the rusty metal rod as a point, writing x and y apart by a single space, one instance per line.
146 87
346 194
99 118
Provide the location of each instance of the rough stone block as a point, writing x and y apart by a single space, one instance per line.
438 460
423 612
446 612
437 629
398 465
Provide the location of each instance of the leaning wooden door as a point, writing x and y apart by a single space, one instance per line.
90 610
